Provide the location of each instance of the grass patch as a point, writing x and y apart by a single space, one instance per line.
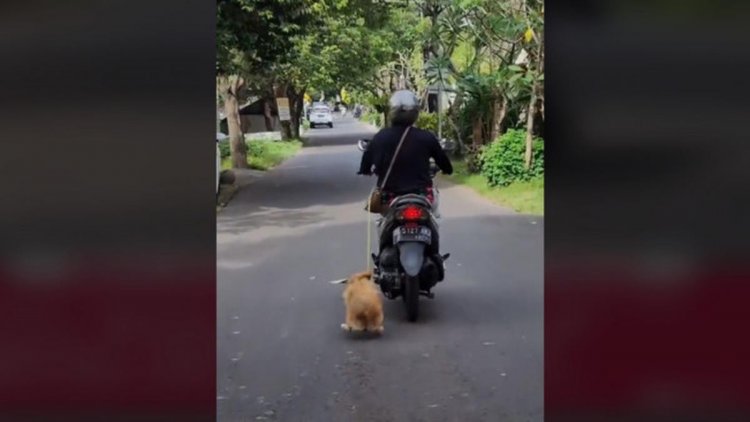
266 154
523 197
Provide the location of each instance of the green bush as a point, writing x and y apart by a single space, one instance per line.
263 154
224 149
502 160
474 158
255 148
427 121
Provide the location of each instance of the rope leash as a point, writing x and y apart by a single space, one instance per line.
369 239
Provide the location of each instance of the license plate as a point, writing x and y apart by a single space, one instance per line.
412 234
321 116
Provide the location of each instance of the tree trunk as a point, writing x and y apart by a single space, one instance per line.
536 93
386 110
232 87
267 115
295 109
541 100
450 114
477 131
440 106
530 128
539 119
540 92
299 110
500 109
286 130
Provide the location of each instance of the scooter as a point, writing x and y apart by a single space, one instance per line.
409 264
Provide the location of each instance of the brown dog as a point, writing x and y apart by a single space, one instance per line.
364 306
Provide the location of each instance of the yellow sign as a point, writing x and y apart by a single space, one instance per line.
282 103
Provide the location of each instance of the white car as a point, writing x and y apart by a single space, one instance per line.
321 116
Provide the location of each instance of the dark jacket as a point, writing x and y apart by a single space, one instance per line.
411 170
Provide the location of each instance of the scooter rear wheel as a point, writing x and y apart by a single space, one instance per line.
411 297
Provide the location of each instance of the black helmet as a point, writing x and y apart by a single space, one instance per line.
404 108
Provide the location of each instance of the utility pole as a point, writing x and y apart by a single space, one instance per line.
440 104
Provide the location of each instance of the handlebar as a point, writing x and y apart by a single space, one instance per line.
362 144
434 169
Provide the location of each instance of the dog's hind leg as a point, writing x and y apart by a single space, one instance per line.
348 324
375 322
358 323
352 323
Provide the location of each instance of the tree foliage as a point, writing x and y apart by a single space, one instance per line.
251 35
490 52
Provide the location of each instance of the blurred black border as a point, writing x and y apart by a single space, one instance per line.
107 251
646 238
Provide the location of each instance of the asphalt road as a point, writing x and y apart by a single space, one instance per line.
474 355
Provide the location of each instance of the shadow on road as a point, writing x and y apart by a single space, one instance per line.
477 276
295 194
270 217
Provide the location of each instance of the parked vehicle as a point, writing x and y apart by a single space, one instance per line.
404 266
321 116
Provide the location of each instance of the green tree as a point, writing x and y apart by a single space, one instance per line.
345 51
251 36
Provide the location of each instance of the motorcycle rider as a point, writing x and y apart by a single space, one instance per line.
411 169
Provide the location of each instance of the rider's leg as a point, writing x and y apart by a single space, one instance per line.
434 250
436 202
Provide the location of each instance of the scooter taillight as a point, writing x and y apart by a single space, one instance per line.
412 213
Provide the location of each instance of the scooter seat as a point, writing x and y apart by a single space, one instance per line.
411 198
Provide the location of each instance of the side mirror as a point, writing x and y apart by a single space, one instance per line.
362 144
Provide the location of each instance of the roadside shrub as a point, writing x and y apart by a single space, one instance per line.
224 149
427 121
263 155
502 160
474 158
257 148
